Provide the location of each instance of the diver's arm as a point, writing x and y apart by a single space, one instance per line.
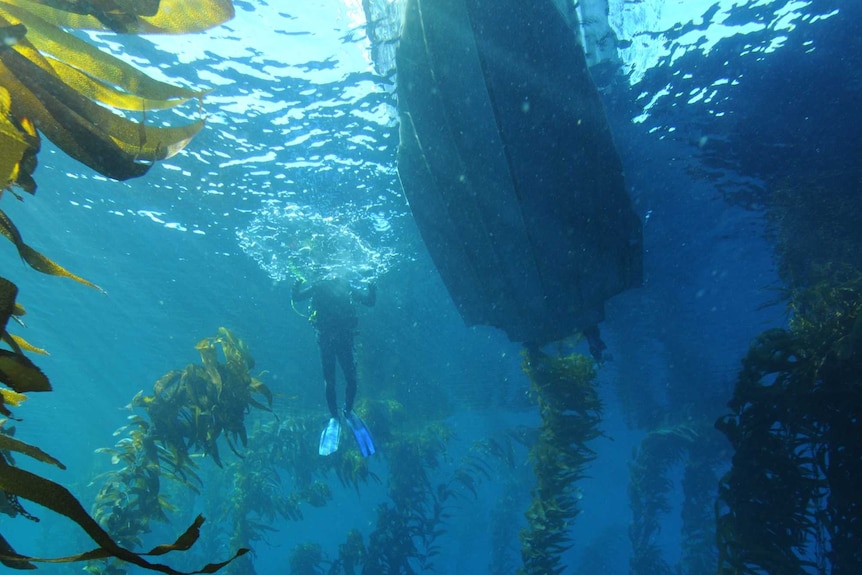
301 291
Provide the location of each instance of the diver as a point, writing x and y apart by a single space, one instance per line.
333 305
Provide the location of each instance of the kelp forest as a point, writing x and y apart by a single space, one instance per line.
787 500
768 483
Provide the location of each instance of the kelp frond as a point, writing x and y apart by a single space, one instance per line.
570 409
788 504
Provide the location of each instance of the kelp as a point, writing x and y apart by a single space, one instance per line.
649 489
700 489
188 411
55 84
693 446
191 408
58 83
815 225
55 497
22 376
34 259
133 16
19 141
408 525
281 472
790 502
570 409
307 559
351 554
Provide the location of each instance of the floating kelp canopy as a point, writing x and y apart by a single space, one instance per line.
510 169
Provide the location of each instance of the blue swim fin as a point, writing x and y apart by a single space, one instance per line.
361 433
330 436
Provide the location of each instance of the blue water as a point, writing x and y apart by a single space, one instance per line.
300 126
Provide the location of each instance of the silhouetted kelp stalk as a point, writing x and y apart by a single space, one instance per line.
791 502
409 524
187 412
281 472
694 447
570 409
307 559
649 488
700 489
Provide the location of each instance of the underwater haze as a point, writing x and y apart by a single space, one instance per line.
738 126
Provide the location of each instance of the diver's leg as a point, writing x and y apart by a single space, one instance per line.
327 360
344 350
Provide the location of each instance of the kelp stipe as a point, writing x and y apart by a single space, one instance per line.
571 411
280 473
408 525
307 559
790 503
649 490
694 447
706 458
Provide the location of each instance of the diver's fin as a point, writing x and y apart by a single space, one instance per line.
329 438
361 433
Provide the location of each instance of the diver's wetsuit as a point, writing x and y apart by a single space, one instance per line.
334 318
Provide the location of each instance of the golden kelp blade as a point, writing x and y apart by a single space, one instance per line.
41 263
184 542
13 398
90 133
21 374
173 16
58 499
24 175
101 69
258 386
19 142
36 260
116 15
12 147
8 293
13 143
6 550
12 444
97 91
74 134
22 343
6 338
209 357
